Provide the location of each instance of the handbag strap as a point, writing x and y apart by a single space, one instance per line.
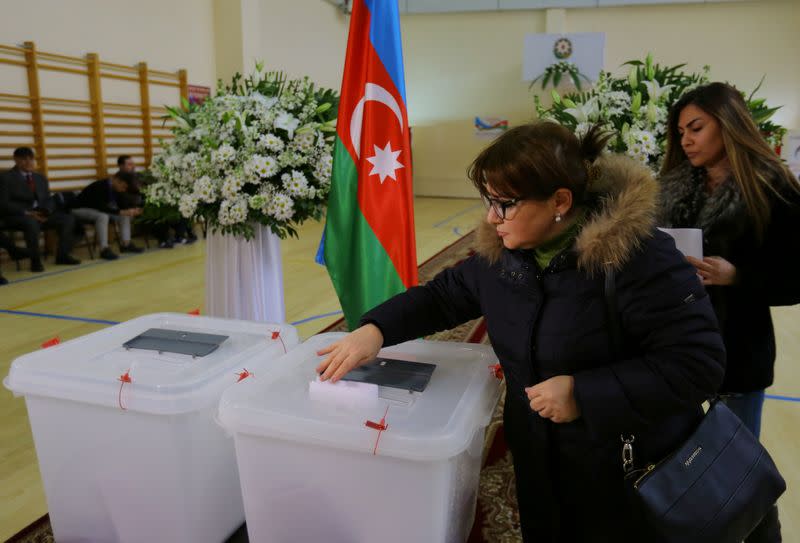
614 325
615 333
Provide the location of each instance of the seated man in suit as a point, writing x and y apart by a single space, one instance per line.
103 201
27 205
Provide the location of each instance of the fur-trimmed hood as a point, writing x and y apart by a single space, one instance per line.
615 228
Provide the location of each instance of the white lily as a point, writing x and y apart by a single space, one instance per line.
656 91
288 122
180 121
585 112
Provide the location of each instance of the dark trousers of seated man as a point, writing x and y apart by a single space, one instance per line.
62 223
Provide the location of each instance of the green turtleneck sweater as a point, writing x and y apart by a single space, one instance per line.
545 253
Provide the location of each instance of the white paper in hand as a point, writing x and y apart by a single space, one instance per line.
689 241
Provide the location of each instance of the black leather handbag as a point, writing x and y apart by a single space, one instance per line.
716 487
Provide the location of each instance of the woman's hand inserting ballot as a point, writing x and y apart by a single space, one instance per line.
353 350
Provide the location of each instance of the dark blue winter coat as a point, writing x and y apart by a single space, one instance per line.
544 323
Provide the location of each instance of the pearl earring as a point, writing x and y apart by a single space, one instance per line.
558 217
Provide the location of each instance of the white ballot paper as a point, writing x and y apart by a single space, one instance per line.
343 393
689 241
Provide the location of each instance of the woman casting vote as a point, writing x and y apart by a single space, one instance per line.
559 217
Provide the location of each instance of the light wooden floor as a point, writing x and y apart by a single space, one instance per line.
172 280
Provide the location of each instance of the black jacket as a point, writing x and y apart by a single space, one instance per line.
99 195
764 278
544 323
16 197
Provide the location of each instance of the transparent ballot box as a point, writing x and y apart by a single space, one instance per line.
124 425
359 462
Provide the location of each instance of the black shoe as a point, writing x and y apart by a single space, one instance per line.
108 254
67 260
36 266
3 280
165 245
131 248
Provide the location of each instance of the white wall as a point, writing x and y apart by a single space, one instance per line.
304 37
228 38
459 66
167 34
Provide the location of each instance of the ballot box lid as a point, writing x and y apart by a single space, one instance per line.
437 423
159 363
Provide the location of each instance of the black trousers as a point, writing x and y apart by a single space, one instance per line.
62 223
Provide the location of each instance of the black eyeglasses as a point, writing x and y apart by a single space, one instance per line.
502 208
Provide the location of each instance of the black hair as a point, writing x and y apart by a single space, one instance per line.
23 152
535 160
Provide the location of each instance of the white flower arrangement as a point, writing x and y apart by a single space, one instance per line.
635 107
259 151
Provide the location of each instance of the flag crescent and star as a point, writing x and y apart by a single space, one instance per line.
369 246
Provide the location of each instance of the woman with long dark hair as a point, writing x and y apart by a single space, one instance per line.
559 217
720 175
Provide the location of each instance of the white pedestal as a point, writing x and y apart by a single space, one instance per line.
244 279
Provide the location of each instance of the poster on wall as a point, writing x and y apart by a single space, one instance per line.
490 127
583 50
198 94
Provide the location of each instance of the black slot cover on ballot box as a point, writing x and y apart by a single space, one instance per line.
176 341
387 372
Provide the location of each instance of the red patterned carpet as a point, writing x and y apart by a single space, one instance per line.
496 516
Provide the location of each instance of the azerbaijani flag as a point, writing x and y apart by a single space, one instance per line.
369 245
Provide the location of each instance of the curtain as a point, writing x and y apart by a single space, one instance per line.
244 279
